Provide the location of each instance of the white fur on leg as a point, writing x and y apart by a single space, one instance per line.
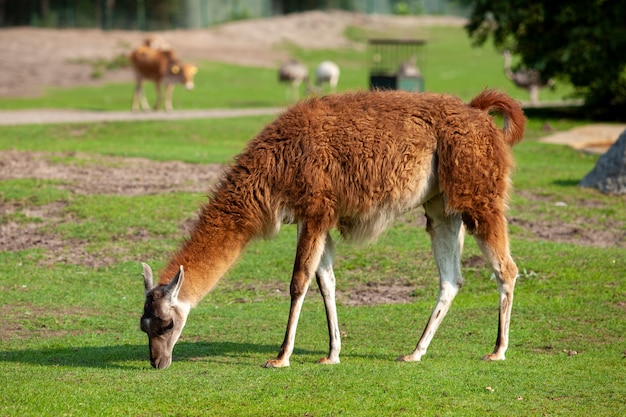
447 243
326 281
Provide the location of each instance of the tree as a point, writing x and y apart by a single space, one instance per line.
578 41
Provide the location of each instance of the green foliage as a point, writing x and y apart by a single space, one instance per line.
578 41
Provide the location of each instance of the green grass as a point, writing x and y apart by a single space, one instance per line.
70 343
451 65
205 141
217 85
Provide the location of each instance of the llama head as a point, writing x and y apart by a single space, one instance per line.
163 316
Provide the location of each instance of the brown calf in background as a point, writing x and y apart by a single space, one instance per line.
151 62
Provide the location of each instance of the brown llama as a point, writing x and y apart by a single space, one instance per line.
354 162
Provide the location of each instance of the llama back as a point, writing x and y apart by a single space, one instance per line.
355 161
352 160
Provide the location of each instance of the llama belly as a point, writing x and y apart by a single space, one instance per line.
366 226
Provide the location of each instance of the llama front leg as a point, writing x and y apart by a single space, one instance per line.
326 281
308 254
495 246
447 244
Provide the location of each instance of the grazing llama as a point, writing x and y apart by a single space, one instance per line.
293 73
327 73
352 162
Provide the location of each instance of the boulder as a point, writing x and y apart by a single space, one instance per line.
609 174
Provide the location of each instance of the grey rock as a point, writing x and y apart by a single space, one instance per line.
609 174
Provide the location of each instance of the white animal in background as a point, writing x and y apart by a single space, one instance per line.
293 73
327 73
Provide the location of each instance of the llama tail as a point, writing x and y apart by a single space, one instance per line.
511 111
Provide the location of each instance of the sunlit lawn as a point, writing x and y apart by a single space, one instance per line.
69 337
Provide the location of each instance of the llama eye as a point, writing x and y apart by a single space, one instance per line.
145 325
166 328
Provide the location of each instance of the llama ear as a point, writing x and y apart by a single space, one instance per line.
147 277
172 289
175 69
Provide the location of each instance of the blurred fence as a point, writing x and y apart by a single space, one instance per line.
172 14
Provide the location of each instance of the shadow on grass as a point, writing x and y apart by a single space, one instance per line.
567 183
126 356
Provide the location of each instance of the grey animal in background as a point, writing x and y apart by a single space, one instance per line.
293 73
526 78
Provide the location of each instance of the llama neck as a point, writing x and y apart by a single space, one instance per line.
212 248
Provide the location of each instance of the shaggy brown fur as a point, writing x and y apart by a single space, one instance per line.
354 162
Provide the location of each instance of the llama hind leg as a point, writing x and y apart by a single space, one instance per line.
495 246
447 235
326 282
311 242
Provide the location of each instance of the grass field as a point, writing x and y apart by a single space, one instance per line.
70 343
450 64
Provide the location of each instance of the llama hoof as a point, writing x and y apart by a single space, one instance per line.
276 363
407 358
493 357
328 361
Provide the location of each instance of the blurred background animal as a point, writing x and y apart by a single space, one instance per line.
327 73
526 78
293 73
155 60
409 68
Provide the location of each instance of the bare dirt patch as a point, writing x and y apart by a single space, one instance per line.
596 231
378 293
86 174
593 138
581 232
89 174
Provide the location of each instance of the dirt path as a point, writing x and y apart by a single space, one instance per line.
37 116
